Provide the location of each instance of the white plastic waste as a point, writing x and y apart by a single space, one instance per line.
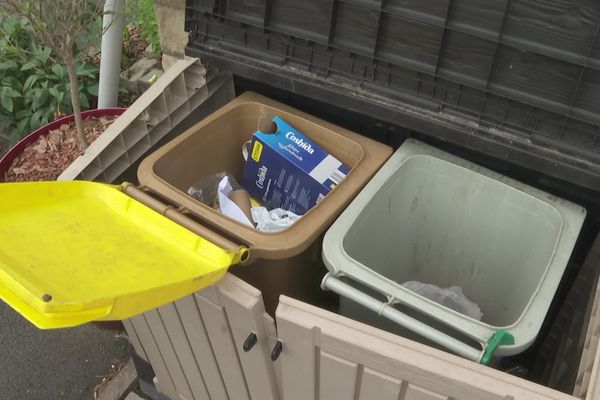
452 297
227 206
274 220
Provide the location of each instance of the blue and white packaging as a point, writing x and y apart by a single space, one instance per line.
288 170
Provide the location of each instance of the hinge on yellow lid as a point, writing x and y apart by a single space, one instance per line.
241 253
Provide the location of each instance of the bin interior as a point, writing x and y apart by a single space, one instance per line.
436 222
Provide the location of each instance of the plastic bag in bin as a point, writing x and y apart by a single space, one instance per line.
206 189
452 297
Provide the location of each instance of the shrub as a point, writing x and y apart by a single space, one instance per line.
142 15
33 87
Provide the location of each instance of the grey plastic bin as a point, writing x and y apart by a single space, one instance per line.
435 218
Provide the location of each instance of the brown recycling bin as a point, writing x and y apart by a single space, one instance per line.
286 262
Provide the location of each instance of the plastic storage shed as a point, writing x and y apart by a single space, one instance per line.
426 82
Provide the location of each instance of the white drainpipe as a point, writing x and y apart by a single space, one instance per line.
110 61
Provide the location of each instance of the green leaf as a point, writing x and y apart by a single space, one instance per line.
48 113
45 55
27 98
15 137
6 65
88 74
22 125
11 81
58 70
88 70
31 80
36 118
29 92
37 97
30 65
6 91
45 119
22 114
10 26
85 104
7 103
54 92
60 98
5 121
93 89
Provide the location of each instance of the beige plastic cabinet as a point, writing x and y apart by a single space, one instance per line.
196 344
199 348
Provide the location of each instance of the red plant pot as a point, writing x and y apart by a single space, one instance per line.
18 148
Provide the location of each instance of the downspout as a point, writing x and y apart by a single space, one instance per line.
110 56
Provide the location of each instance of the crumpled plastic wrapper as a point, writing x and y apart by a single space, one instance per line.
272 221
206 189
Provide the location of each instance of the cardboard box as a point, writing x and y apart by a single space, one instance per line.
288 170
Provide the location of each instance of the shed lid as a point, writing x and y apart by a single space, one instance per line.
528 68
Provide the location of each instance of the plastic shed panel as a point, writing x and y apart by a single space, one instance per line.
517 79
377 364
321 347
150 118
207 332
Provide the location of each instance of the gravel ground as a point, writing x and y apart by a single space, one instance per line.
58 364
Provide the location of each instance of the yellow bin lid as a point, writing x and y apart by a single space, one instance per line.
74 252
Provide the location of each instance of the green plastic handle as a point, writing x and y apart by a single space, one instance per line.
499 338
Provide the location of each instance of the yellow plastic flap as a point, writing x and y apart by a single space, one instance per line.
73 252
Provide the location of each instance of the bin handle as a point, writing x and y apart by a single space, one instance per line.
241 253
386 310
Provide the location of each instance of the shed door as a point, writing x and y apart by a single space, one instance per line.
195 345
329 357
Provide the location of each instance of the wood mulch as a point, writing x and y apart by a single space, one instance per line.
134 45
48 156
